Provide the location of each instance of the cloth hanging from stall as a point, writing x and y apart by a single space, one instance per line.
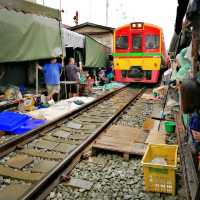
96 54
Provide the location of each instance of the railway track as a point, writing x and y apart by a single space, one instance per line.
33 164
9 142
107 176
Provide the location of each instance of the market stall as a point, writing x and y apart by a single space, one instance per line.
29 32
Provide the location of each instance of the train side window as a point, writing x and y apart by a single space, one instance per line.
137 42
151 42
122 42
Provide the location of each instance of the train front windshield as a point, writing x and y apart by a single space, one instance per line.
151 42
137 42
122 42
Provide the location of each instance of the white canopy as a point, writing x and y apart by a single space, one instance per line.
73 39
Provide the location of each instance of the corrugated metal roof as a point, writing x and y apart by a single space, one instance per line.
73 28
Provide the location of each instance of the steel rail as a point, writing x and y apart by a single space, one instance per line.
43 187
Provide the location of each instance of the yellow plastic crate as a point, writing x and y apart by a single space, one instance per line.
158 177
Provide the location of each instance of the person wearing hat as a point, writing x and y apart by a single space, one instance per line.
52 72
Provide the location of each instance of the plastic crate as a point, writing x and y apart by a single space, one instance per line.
158 177
10 120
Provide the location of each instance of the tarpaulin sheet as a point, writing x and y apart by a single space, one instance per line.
26 37
96 53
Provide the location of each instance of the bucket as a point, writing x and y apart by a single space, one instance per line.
170 126
154 94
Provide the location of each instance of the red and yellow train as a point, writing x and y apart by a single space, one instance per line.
139 51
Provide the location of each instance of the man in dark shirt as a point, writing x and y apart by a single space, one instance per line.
72 75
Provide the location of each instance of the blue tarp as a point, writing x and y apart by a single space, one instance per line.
16 123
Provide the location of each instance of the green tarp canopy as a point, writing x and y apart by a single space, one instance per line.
26 37
96 53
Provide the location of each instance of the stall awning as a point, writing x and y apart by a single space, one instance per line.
26 36
95 53
72 39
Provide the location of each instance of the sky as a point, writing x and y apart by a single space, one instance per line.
120 12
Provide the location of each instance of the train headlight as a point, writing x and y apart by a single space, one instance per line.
134 26
139 25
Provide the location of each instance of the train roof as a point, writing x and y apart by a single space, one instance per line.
146 24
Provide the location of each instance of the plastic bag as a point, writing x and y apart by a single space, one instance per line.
82 78
188 54
185 66
13 92
159 160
